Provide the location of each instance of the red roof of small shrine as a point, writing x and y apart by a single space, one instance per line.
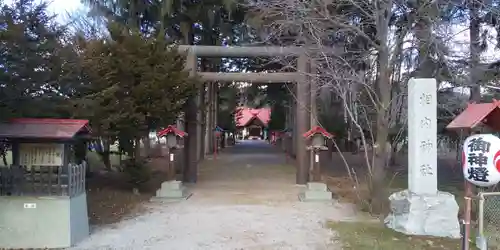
244 116
171 129
476 113
44 128
317 130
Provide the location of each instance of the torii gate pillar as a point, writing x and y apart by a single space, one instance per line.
190 169
303 119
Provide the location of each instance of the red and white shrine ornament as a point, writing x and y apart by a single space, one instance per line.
481 159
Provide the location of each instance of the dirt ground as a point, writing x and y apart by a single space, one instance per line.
246 199
111 198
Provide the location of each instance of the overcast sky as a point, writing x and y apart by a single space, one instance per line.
61 6
460 34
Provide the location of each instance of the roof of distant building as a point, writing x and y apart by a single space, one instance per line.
245 116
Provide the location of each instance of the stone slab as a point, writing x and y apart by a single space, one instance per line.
171 185
172 190
315 191
166 199
317 186
312 195
171 193
426 215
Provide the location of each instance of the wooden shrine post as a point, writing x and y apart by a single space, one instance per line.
465 124
190 169
303 120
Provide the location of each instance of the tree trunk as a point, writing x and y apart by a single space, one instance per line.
423 34
393 158
137 149
223 140
4 158
147 145
190 114
383 90
103 149
378 173
475 51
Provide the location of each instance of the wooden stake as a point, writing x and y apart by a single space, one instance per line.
467 214
215 148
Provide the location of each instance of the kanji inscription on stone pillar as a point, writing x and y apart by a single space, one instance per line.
422 136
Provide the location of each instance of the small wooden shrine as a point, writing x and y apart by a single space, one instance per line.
43 201
476 118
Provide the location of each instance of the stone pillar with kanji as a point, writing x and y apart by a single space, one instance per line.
422 209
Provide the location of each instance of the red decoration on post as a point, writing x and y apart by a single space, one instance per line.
317 130
218 133
171 129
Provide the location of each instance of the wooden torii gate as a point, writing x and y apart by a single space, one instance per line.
195 148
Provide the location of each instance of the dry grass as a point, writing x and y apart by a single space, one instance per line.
110 195
108 205
492 234
374 236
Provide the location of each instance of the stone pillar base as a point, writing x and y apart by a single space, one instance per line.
429 215
316 191
172 190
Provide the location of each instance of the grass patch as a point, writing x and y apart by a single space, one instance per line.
375 236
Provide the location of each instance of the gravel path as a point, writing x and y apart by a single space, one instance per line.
246 199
